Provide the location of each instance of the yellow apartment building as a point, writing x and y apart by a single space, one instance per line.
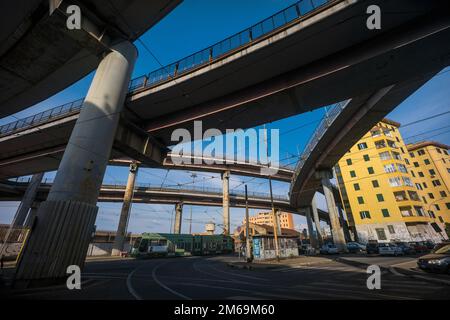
430 168
285 220
378 190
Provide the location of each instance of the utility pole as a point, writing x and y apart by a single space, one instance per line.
193 176
247 231
274 213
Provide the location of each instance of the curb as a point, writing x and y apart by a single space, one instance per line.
265 267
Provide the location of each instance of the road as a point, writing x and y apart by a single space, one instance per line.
211 278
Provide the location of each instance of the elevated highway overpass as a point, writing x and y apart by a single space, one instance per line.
40 56
218 85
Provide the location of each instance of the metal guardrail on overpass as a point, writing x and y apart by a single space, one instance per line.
327 120
187 64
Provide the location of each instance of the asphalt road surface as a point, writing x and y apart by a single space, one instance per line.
211 278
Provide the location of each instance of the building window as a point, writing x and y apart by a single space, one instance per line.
402 168
381 234
438 150
362 146
441 220
436 183
432 172
437 207
375 183
420 152
380 197
352 174
370 170
416 164
431 195
421 174
412 173
406 211
447 205
424 200
431 214
366 157
419 211
389 168
418 186
400 196
426 161
443 194
385 213
364 215
349 162
356 186
425 185
391 229
445 151
407 161
411 154
380 144
395 182
396 155
413 195
391 144
407 182
385 155
360 200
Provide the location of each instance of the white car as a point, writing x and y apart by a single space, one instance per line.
389 249
328 249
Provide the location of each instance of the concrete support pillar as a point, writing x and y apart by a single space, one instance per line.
178 218
336 229
309 222
315 214
125 213
28 199
66 220
32 215
226 202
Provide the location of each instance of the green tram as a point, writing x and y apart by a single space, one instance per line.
168 244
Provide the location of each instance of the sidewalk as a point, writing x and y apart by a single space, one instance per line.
403 269
283 263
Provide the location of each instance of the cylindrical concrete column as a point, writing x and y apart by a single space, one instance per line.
28 199
32 215
309 222
315 214
125 213
226 202
178 218
66 220
336 229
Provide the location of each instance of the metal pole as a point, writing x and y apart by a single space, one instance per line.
247 233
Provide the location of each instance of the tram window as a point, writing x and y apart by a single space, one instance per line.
143 247
137 242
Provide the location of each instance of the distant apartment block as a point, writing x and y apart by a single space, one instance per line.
285 220
381 181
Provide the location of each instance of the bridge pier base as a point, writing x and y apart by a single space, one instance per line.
178 218
125 212
28 199
66 220
336 229
226 202
315 213
312 236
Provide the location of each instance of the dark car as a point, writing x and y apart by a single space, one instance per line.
372 247
429 244
406 247
438 260
419 247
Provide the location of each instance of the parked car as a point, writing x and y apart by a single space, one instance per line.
355 247
419 247
406 247
389 249
328 248
372 247
429 244
437 260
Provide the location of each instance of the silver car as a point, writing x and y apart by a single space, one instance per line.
389 249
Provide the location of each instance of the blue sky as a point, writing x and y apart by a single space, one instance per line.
196 24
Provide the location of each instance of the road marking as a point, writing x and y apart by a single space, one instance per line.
166 287
130 287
